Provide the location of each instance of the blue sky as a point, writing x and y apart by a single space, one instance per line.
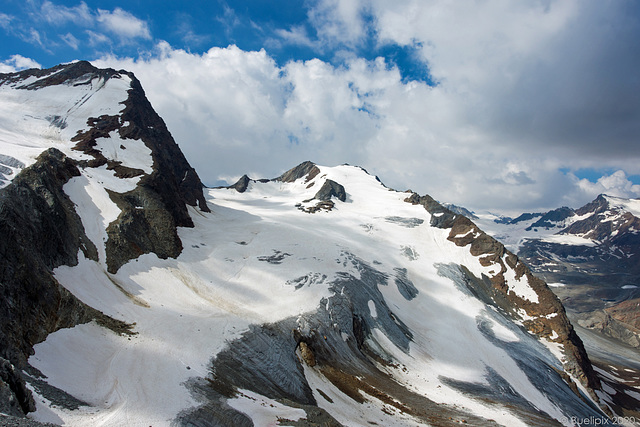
54 32
496 104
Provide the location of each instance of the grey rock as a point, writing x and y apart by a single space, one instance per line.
168 190
307 169
13 421
331 189
276 258
163 194
41 231
15 397
494 291
405 286
10 161
549 219
405 222
242 184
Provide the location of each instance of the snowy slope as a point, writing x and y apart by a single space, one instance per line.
259 259
83 149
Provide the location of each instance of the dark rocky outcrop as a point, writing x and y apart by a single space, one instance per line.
552 218
598 227
242 184
171 186
15 397
525 217
331 189
77 73
6 163
600 278
40 231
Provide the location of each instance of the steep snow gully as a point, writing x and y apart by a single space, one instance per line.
320 297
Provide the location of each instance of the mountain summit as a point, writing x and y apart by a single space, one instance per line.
134 296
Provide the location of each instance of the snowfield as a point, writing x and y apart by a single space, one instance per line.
237 269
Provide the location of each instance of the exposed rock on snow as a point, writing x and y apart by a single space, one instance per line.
331 189
242 184
15 397
306 169
41 231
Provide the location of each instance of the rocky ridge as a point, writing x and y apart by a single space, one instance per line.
545 318
606 266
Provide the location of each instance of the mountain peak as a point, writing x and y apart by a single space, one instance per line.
72 74
307 168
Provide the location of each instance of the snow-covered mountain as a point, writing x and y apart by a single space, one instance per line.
604 234
131 296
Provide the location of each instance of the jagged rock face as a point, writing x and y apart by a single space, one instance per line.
15 398
525 217
166 186
331 189
41 231
306 169
599 268
242 184
600 225
164 193
552 218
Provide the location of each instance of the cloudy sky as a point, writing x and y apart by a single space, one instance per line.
492 104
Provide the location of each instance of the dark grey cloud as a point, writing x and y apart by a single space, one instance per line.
578 95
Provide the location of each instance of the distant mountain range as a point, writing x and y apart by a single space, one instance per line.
132 295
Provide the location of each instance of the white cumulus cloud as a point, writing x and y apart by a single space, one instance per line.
616 184
17 63
235 112
58 14
123 24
